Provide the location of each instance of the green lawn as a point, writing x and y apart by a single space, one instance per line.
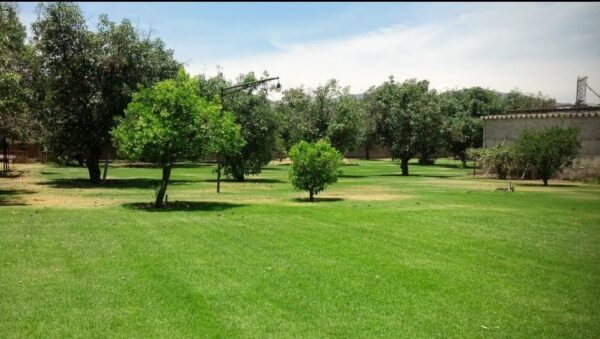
436 254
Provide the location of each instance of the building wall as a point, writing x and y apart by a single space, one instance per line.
375 152
505 130
497 131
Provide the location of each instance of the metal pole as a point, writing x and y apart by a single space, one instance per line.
218 153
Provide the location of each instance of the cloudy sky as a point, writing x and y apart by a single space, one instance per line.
532 46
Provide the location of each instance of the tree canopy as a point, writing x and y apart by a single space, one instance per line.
16 120
327 112
315 165
169 122
89 77
253 112
547 150
407 117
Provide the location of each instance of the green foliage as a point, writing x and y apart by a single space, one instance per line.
463 108
16 121
518 100
170 122
501 159
259 124
88 77
408 118
474 101
547 150
314 166
166 123
462 132
327 112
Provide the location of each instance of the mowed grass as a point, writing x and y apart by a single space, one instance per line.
436 254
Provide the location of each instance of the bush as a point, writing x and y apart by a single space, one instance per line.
314 166
499 158
547 150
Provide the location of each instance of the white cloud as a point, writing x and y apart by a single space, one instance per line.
533 47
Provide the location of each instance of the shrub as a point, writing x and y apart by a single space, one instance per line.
547 150
314 166
499 158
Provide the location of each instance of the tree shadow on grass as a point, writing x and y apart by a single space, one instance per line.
250 180
207 206
540 184
317 200
48 173
152 165
12 174
351 176
112 183
422 175
11 197
452 166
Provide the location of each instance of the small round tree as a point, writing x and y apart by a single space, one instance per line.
548 150
314 166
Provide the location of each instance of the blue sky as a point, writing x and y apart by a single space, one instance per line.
533 47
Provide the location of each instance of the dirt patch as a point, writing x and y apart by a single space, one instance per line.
67 201
368 193
48 196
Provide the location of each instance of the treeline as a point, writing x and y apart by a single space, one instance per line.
69 85
409 118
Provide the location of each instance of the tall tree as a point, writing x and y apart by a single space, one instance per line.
90 77
515 99
169 122
327 112
370 135
428 125
68 66
401 109
16 121
461 130
293 111
253 112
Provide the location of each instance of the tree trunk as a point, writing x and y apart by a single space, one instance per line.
163 186
367 155
545 181
311 197
404 167
92 161
93 166
80 161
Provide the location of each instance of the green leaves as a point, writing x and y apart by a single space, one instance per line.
408 117
170 122
15 96
314 166
547 150
89 76
327 112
